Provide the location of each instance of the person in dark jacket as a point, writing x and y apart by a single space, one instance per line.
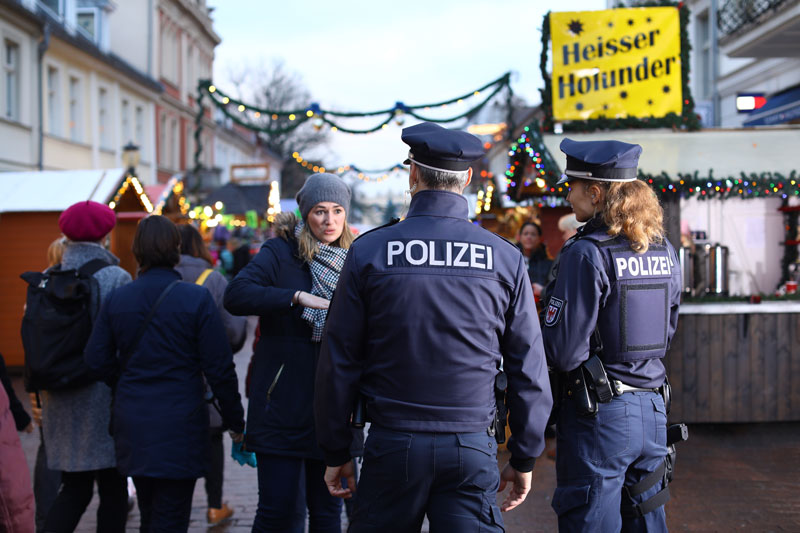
195 267
75 420
535 253
426 312
159 417
610 314
289 284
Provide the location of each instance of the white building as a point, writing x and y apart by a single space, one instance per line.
68 101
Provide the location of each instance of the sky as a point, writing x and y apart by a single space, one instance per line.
367 55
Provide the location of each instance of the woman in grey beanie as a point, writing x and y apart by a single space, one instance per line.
289 285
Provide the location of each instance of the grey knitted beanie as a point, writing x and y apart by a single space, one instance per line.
323 188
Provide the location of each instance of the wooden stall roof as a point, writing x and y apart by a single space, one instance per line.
56 190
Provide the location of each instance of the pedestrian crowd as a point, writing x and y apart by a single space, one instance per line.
426 328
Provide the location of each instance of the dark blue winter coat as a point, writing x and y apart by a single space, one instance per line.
279 416
160 419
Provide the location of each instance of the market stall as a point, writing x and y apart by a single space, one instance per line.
736 362
29 211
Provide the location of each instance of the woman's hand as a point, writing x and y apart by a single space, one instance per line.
35 410
306 299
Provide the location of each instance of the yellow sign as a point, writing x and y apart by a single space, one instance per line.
616 63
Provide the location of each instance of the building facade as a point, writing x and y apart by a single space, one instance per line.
69 101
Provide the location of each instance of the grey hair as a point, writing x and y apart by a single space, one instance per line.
443 179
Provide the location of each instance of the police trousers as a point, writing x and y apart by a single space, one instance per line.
450 477
596 457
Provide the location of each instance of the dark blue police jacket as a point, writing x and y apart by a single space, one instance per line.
279 416
160 415
630 299
424 313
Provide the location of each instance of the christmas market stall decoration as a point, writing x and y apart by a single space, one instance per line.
169 199
29 211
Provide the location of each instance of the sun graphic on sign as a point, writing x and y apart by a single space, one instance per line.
575 27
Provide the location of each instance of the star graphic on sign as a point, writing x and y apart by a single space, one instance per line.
649 20
649 102
605 107
623 94
610 24
666 88
575 27
630 22
579 106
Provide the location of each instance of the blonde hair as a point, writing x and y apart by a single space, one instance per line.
307 244
55 252
632 208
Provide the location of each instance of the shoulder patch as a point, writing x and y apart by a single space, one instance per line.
555 308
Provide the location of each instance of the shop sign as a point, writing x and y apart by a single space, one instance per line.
616 63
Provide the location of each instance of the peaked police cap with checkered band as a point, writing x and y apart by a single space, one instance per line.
439 148
600 160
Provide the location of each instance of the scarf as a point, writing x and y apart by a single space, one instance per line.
325 269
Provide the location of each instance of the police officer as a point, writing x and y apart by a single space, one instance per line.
615 296
425 312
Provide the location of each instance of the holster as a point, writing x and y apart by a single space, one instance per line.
359 418
589 385
501 411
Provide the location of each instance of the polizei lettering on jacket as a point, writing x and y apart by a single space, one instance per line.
439 253
642 266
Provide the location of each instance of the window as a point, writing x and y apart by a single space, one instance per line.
11 69
189 146
126 122
705 78
87 22
53 102
75 112
174 144
140 129
56 6
190 71
162 141
102 106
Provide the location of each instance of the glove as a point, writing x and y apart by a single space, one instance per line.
242 456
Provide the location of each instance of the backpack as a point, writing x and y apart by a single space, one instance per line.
57 324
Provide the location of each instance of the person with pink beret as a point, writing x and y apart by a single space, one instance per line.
75 421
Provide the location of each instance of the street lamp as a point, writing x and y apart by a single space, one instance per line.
130 157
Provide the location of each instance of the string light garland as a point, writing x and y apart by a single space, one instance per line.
132 181
529 150
688 119
745 186
362 174
174 187
276 121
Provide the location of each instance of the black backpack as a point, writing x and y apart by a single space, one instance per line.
57 324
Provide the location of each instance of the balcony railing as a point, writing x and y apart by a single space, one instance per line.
736 14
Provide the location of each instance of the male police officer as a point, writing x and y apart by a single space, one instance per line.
609 316
424 313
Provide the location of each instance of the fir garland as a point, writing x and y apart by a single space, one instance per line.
276 122
688 119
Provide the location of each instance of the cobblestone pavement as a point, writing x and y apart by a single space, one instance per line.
729 477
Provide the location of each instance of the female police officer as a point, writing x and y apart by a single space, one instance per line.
615 296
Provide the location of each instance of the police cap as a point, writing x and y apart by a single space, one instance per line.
438 148
600 160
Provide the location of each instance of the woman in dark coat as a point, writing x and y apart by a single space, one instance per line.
159 418
289 284
195 267
534 251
